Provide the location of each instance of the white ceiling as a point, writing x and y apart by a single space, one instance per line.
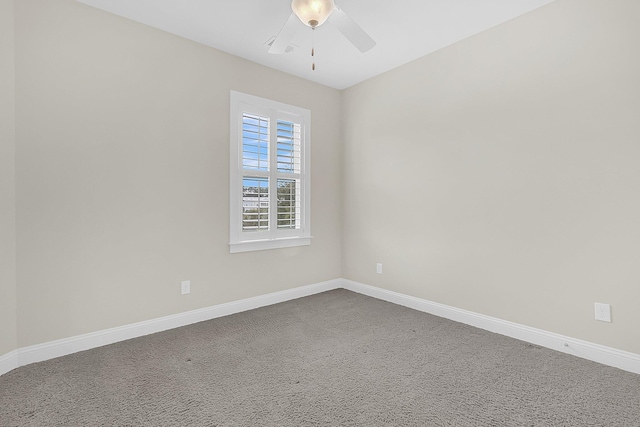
403 29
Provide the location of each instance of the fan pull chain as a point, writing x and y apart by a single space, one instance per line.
313 50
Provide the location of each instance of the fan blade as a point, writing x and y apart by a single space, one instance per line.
351 30
286 34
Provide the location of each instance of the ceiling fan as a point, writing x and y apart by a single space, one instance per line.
314 13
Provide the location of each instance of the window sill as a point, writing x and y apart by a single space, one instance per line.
261 245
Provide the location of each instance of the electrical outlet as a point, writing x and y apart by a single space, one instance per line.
603 312
379 267
185 287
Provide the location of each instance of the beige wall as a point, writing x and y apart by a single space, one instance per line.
498 175
501 174
8 315
123 175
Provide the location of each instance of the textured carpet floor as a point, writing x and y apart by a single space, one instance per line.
332 359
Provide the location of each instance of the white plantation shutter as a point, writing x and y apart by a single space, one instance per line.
288 186
288 147
255 142
289 209
255 172
269 191
255 204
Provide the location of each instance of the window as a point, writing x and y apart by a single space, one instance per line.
269 176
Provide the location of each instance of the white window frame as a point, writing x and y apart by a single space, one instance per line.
273 238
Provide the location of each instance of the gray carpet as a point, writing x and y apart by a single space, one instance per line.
332 359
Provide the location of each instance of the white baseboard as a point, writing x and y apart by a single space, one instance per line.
595 352
49 350
8 362
584 349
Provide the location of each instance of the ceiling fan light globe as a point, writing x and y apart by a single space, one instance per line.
312 12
